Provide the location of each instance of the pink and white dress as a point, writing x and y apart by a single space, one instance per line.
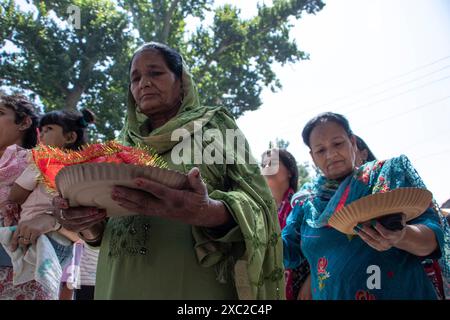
12 164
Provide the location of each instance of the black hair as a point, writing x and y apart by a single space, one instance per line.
23 108
288 160
362 145
446 204
172 58
70 121
323 118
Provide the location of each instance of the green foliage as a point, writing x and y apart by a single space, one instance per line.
303 173
65 66
279 143
231 59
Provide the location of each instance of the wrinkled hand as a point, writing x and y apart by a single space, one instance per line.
28 231
76 219
379 237
191 205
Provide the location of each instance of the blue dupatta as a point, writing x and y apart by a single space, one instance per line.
323 197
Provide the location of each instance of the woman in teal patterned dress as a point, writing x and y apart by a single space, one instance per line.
378 263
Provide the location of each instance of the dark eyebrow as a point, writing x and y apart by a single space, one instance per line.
153 65
133 73
149 66
332 139
338 138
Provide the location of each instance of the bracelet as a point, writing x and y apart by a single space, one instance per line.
57 225
97 240
92 242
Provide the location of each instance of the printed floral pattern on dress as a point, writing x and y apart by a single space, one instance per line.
364 295
322 273
369 170
31 290
381 186
364 175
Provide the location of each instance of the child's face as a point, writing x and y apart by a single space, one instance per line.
52 135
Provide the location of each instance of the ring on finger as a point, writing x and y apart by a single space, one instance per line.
61 215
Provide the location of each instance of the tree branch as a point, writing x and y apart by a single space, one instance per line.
73 97
136 18
214 56
80 85
167 18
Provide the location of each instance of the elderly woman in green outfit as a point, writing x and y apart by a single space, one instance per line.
217 239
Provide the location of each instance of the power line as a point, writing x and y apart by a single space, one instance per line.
372 124
389 98
409 72
393 87
434 154
375 85
408 111
399 94
415 144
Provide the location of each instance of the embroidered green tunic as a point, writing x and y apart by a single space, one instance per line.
144 257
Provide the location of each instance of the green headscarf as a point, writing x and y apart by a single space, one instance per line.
136 131
251 252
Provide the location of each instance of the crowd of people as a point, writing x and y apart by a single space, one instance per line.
236 230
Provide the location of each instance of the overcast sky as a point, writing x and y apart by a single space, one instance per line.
385 64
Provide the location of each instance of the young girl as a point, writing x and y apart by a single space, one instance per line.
18 123
62 129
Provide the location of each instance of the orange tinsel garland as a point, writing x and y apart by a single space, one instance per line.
50 160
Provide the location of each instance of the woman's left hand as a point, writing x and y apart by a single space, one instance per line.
191 205
379 237
28 231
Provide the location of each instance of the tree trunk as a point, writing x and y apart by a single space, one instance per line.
166 25
81 84
73 97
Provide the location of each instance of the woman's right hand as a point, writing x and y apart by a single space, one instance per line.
77 219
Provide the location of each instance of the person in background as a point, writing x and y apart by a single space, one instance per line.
283 183
18 124
363 153
445 208
31 199
339 262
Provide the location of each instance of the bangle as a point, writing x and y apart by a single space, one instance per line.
57 225
95 242
92 242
